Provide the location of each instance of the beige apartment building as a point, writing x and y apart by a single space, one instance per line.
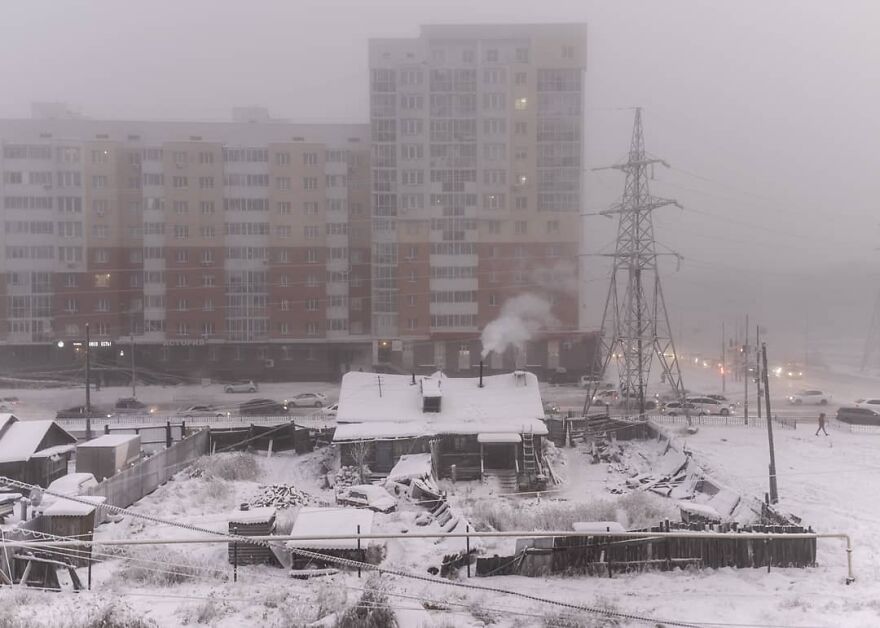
477 143
231 250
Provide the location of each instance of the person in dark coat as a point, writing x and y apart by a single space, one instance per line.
822 424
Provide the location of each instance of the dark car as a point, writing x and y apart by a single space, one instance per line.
79 412
262 407
863 412
130 405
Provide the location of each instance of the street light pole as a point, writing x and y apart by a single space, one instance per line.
88 372
131 351
774 491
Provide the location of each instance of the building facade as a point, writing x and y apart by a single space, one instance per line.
217 249
477 143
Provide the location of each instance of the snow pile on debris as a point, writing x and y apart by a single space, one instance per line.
349 476
282 496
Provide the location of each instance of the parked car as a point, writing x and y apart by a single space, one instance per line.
11 400
722 399
130 405
675 408
367 496
72 484
810 397
307 400
79 412
241 387
605 396
201 412
262 407
330 411
863 412
589 381
708 405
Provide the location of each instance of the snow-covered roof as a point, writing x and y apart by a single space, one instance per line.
64 507
499 437
54 451
22 438
6 417
314 521
109 440
411 466
504 404
70 483
252 515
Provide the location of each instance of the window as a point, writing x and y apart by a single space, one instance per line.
282 183
285 207
182 256
521 202
208 232
208 281
182 305
100 181
208 328
310 183
311 328
181 232
100 156
520 227
285 305
521 104
179 182
206 183
552 226
71 305
522 55
520 78
410 152
312 305
493 201
311 232
180 207
311 208
521 128
410 126
206 157
284 329
311 281
312 255
568 52
102 256
282 159
310 159
101 232
13 178
492 55
181 280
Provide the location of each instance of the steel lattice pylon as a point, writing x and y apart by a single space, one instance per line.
635 324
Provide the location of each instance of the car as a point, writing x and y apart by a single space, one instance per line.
330 411
789 370
72 484
262 407
722 399
241 387
201 411
708 405
307 400
862 412
675 408
809 397
367 496
589 381
130 405
606 396
79 412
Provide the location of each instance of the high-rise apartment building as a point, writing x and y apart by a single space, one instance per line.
230 249
477 143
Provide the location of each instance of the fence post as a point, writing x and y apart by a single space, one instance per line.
88 428
235 556
360 554
467 530
106 428
90 569
167 434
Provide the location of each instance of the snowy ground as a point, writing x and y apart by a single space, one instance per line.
828 481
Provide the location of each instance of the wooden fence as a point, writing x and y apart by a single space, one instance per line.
142 478
604 556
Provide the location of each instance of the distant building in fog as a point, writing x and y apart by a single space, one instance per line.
264 249
477 165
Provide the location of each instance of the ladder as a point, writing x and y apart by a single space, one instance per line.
530 466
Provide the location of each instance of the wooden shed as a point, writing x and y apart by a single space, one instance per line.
64 517
106 455
35 452
313 521
251 522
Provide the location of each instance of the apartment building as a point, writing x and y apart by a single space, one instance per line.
477 143
237 249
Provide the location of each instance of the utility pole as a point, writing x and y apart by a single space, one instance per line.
745 361
758 370
88 372
131 351
635 324
774 491
723 360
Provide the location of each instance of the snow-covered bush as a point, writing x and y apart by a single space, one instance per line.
208 612
113 614
371 611
237 465
162 567
478 611
642 510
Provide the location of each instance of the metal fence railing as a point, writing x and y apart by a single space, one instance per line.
159 420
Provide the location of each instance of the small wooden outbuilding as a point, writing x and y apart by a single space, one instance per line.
36 452
76 519
251 522
107 455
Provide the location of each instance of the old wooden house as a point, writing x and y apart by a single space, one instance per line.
36 452
472 427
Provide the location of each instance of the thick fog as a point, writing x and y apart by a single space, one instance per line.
766 112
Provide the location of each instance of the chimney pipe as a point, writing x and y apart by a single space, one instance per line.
413 377
481 373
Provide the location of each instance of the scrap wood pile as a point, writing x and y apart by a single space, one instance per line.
350 476
282 496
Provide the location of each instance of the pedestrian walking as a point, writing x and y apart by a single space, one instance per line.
821 424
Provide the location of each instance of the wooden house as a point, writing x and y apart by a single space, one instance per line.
472 427
36 452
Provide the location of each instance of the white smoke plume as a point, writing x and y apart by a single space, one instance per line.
521 318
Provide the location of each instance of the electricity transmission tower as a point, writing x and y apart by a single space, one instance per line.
871 355
635 324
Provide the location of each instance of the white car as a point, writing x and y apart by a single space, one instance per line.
810 397
330 411
307 400
241 387
709 405
606 396
677 408
201 412
72 484
367 496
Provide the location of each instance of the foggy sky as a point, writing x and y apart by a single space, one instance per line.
766 109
